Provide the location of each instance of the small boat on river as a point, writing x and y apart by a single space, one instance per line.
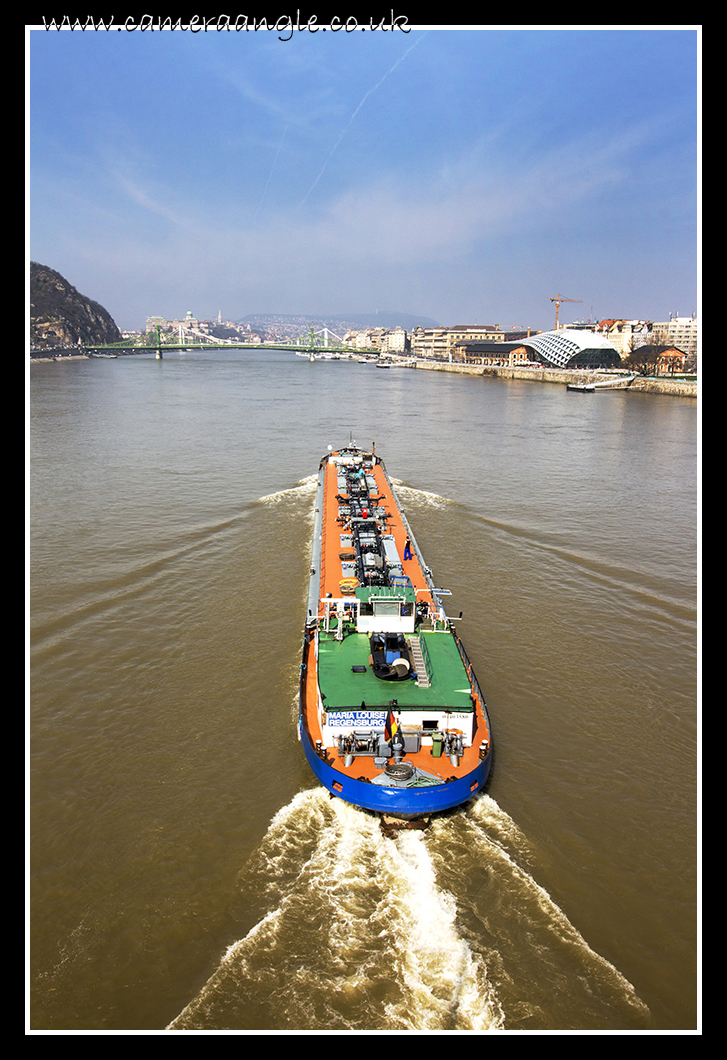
391 716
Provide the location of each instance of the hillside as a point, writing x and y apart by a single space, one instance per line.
60 316
300 325
386 319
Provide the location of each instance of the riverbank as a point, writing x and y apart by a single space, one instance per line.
671 387
60 354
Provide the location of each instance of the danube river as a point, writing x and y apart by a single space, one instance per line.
185 870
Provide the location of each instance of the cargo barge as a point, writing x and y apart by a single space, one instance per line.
391 715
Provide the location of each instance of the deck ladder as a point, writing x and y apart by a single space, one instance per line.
417 657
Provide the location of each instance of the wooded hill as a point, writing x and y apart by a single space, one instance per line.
60 316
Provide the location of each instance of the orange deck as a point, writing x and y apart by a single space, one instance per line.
331 575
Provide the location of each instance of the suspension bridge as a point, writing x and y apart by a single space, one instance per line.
318 342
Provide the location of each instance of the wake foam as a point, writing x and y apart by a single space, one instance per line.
490 834
302 490
431 931
414 495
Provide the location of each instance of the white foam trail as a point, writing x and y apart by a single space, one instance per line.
388 929
414 494
284 826
305 487
446 987
363 932
486 811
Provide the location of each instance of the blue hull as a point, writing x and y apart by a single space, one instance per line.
396 802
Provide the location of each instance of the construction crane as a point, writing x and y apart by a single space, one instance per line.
558 299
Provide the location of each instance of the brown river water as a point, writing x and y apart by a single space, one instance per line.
186 872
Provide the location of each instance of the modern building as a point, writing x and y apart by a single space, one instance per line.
568 348
564 348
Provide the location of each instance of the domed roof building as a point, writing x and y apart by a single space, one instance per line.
571 348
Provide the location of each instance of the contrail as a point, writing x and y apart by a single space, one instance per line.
272 170
358 108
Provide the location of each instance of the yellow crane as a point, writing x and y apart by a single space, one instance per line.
558 299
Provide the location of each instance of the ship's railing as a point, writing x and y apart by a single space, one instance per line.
476 690
322 561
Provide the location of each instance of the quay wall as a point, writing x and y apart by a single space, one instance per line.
671 387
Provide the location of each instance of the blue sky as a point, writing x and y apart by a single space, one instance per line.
467 175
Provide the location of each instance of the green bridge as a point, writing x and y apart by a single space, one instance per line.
311 345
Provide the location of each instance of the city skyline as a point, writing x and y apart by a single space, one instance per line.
467 175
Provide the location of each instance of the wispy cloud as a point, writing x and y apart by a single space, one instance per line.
395 220
142 197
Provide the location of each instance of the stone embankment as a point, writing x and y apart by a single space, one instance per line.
672 387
